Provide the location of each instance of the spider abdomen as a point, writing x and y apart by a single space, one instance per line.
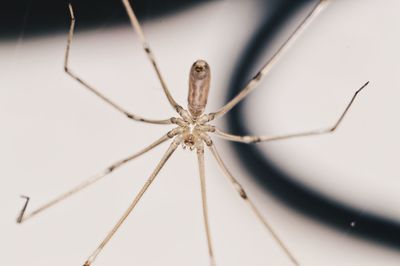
199 85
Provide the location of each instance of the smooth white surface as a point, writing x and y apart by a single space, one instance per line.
55 134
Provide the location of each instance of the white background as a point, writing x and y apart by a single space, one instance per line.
55 133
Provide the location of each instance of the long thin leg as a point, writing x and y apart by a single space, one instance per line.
22 217
254 139
200 157
270 63
136 25
253 207
94 90
150 180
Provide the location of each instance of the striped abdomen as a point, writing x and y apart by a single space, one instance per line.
199 85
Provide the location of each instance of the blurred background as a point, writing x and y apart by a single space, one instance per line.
333 199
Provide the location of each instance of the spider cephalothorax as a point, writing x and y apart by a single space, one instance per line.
193 136
193 132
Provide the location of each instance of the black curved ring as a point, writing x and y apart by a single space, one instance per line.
297 196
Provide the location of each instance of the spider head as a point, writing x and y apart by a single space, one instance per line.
190 139
199 85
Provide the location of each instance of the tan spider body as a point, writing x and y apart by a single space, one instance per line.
192 124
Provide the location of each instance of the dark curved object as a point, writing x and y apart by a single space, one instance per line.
30 17
282 186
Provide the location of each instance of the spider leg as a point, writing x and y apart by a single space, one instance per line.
94 90
149 181
136 25
255 139
200 157
252 84
22 217
253 207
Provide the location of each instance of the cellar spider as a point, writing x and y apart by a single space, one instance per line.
192 130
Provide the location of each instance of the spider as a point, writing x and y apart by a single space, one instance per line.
192 130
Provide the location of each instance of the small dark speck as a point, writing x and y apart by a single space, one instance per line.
258 76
